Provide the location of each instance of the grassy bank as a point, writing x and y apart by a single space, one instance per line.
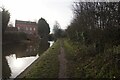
47 65
83 62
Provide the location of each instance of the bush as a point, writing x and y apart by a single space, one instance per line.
14 36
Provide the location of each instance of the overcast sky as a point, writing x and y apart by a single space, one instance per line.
33 10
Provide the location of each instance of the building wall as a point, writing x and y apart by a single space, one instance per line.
26 26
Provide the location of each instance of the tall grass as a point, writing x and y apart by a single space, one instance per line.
84 62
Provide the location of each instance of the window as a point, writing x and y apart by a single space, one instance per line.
18 28
26 28
30 29
34 29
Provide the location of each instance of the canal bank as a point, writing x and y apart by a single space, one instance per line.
46 66
74 60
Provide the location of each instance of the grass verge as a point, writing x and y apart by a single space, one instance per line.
47 65
83 62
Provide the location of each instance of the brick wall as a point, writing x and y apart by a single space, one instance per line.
26 26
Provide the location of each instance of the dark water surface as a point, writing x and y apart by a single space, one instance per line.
17 57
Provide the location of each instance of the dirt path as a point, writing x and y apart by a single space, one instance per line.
63 62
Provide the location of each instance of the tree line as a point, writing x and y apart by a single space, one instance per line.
43 28
95 23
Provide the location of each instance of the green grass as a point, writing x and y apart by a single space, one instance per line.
48 64
83 62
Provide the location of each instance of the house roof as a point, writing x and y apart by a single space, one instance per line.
25 22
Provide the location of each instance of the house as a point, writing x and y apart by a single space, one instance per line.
26 26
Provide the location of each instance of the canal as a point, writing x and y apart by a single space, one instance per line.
17 57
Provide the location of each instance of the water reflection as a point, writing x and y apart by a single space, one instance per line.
17 65
51 43
44 45
6 72
17 57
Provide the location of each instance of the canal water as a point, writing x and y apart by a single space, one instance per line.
17 57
